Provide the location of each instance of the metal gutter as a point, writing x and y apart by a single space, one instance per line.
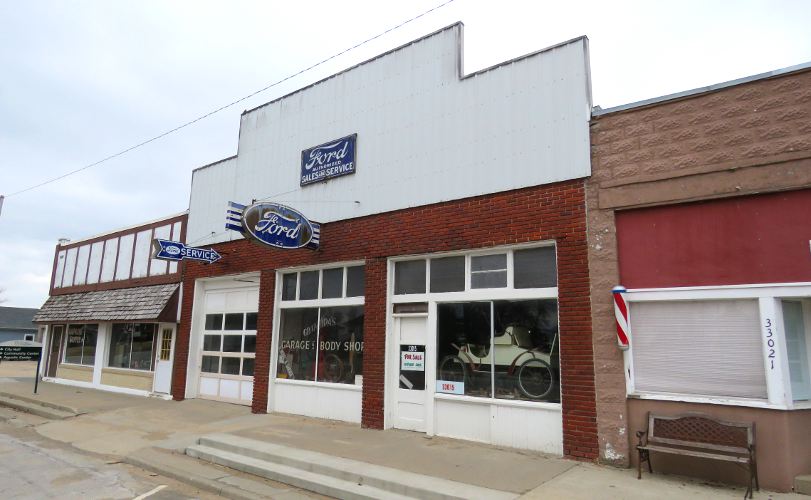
598 111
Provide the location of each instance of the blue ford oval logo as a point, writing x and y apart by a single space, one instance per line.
172 250
277 225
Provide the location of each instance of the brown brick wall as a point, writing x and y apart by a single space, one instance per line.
551 212
745 139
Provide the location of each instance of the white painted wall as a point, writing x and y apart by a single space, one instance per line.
425 134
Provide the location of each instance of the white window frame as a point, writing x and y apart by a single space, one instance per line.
280 305
769 296
222 332
467 295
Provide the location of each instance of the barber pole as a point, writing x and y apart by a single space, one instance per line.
621 313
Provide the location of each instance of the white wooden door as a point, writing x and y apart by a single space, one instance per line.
408 375
163 363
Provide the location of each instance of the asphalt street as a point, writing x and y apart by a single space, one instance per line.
33 467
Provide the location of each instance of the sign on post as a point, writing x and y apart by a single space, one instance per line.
19 353
175 250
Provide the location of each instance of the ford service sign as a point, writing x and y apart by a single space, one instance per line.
329 160
279 226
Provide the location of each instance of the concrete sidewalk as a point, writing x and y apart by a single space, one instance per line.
120 425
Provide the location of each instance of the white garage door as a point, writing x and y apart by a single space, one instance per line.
228 345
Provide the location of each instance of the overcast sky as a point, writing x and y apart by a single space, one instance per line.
81 80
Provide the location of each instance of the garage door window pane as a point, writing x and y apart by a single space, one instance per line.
250 321
232 343
354 281
233 321
247 367
409 277
213 321
211 364
250 343
535 268
230 366
333 283
212 342
448 274
309 285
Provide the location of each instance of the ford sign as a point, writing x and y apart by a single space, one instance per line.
279 226
329 160
175 251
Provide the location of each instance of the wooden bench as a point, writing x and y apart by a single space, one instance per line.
696 435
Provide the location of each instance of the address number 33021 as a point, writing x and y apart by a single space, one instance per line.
770 342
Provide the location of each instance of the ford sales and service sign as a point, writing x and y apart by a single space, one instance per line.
333 159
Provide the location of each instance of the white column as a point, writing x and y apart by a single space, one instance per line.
775 358
101 351
43 361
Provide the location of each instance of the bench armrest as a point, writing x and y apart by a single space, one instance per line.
642 439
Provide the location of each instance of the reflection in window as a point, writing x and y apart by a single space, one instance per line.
331 353
355 286
80 347
535 268
213 322
131 345
488 271
448 274
409 277
233 321
502 349
289 286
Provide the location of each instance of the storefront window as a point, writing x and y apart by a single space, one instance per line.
331 353
132 346
80 347
502 349
317 343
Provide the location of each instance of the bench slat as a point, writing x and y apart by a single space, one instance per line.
693 453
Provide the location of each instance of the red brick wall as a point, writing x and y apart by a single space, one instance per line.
551 212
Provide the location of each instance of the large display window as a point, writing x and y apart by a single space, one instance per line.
132 346
496 321
321 326
505 349
80 344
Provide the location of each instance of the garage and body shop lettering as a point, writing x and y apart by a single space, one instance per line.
324 345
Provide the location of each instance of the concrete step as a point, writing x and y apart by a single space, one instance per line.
326 469
802 484
324 485
35 408
209 477
37 400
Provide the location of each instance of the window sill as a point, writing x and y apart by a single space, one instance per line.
227 376
686 398
498 402
127 371
77 366
323 385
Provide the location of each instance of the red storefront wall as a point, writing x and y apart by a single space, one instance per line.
747 239
551 212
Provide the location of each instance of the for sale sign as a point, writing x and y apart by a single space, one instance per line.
412 367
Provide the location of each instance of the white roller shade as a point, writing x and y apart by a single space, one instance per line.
707 348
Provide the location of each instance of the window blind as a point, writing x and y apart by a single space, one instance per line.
707 348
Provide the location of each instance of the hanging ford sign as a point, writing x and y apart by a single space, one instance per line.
329 160
273 224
